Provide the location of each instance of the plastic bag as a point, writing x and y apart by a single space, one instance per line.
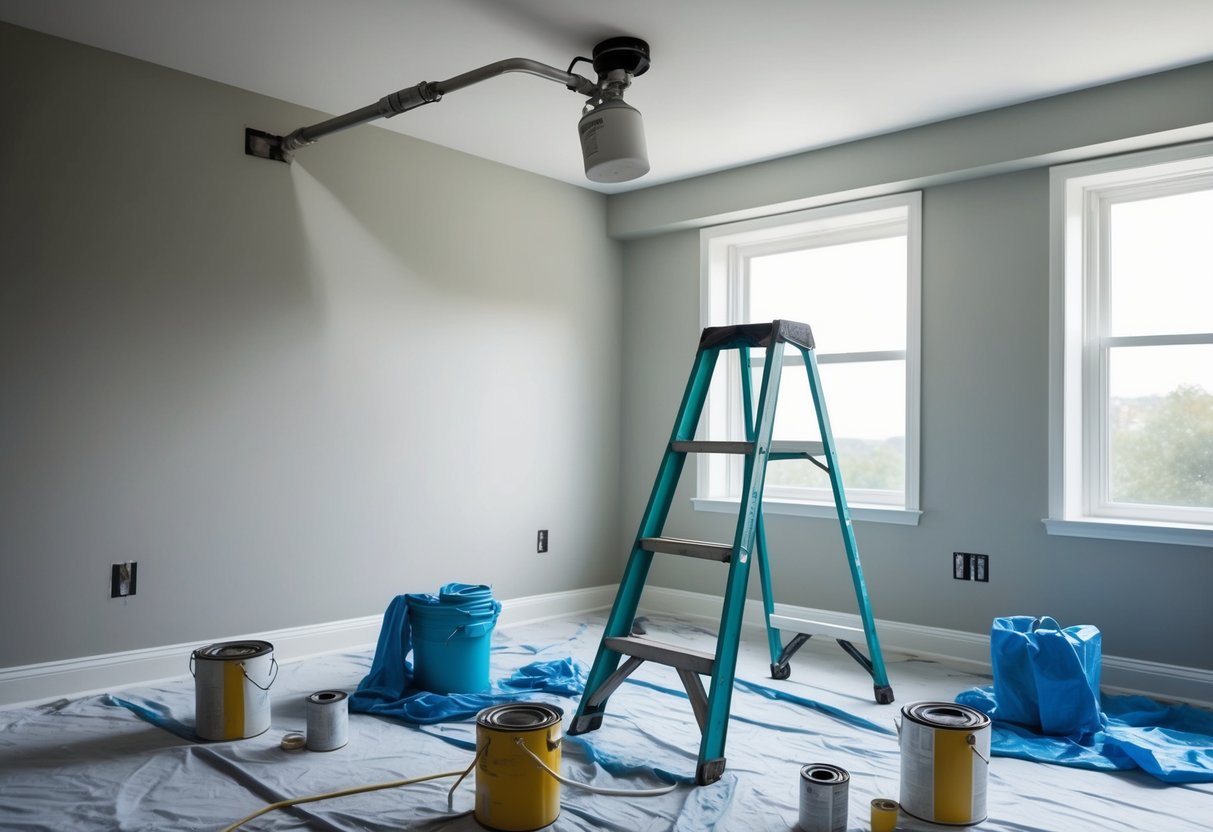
1046 677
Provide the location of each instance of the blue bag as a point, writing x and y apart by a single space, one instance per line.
1046 678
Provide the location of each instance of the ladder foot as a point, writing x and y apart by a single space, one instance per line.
884 694
709 771
781 671
585 724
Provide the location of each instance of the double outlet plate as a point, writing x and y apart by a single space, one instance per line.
967 566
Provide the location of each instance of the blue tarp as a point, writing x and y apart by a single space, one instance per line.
1174 743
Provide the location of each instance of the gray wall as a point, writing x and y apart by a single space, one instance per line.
289 393
984 378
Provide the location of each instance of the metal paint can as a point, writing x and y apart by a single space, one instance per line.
232 681
824 790
328 720
513 793
945 763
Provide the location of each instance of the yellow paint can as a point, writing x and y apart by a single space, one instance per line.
513 792
232 681
945 763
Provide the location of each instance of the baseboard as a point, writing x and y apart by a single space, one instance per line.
968 650
35 683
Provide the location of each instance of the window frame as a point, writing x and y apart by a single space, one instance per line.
1081 195
723 298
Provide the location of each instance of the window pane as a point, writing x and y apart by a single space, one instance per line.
1161 425
853 295
1160 265
866 404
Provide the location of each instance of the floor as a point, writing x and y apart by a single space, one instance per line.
89 763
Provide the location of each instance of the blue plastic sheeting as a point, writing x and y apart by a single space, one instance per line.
1173 743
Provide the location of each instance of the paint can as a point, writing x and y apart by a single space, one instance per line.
232 681
513 793
884 814
945 763
823 797
328 720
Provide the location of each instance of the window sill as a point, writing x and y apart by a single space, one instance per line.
1132 530
867 513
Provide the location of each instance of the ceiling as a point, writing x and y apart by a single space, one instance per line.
731 82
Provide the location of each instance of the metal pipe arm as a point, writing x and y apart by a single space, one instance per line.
427 92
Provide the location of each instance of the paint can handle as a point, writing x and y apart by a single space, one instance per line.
971 739
274 678
192 666
1046 622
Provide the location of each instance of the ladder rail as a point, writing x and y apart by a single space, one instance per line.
879 673
711 749
774 637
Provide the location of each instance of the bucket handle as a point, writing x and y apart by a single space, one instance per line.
971 739
273 664
274 678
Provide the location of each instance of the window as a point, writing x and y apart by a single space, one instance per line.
1131 442
851 272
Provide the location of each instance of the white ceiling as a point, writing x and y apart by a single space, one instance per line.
731 82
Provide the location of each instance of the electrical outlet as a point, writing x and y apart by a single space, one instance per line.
981 568
541 541
967 566
123 578
960 566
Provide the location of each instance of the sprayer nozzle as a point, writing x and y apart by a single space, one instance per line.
264 145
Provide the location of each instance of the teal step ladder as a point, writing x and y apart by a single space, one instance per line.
619 644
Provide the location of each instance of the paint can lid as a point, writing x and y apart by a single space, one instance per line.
519 716
948 715
824 773
226 650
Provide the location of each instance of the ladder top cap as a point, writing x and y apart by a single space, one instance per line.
757 335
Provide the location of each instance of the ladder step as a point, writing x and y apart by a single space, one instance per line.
712 447
682 658
688 548
779 449
791 449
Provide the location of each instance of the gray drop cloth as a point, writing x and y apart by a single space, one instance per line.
86 763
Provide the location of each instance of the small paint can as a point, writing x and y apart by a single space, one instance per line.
513 793
945 763
232 681
884 814
823 798
328 720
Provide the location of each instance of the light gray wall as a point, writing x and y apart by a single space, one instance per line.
289 393
984 403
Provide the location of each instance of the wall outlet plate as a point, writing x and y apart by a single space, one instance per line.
123 578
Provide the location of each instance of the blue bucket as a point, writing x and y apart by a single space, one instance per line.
452 634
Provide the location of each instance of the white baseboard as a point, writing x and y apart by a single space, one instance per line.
968 650
34 683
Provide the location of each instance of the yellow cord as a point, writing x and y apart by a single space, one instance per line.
344 792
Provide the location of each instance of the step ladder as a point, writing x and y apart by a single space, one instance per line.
621 651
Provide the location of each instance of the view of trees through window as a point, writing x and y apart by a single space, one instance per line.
1162 448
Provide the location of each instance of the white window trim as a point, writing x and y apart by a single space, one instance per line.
1072 363
719 244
